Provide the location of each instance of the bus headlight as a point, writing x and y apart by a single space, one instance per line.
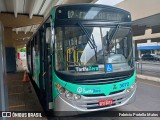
72 96
66 93
130 88
69 95
61 89
77 97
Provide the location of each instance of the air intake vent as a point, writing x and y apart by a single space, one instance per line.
102 81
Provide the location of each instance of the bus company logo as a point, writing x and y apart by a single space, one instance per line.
89 68
87 90
114 86
79 89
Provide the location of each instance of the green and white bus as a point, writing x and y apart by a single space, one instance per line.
81 58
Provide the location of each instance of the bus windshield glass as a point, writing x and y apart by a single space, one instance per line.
91 49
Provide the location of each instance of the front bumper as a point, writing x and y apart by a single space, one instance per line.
87 104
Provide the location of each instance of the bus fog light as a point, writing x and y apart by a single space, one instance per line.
69 94
132 86
77 97
128 90
62 90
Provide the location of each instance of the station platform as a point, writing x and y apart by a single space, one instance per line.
21 95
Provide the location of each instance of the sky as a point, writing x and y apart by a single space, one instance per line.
109 2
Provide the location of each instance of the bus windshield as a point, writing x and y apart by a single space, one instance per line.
90 49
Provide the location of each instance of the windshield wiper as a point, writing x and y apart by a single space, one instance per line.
91 40
110 37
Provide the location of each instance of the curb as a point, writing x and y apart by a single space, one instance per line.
148 78
151 63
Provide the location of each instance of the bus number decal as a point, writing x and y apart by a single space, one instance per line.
123 85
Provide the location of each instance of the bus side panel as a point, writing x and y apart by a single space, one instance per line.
37 60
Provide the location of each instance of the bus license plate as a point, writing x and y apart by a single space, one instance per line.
105 102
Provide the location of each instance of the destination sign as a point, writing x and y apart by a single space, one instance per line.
92 13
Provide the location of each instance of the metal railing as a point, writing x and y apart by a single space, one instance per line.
148 67
139 65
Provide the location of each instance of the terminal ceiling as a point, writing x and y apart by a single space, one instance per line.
15 13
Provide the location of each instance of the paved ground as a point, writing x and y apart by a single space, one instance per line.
21 96
147 99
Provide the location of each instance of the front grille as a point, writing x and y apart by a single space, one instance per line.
94 95
92 103
116 92
95 104
102 81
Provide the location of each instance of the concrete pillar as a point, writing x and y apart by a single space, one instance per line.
10 50
3 85
136 51
139 54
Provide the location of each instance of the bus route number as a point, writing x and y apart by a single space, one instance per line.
123 85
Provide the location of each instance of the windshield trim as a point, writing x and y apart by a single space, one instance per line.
91 23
